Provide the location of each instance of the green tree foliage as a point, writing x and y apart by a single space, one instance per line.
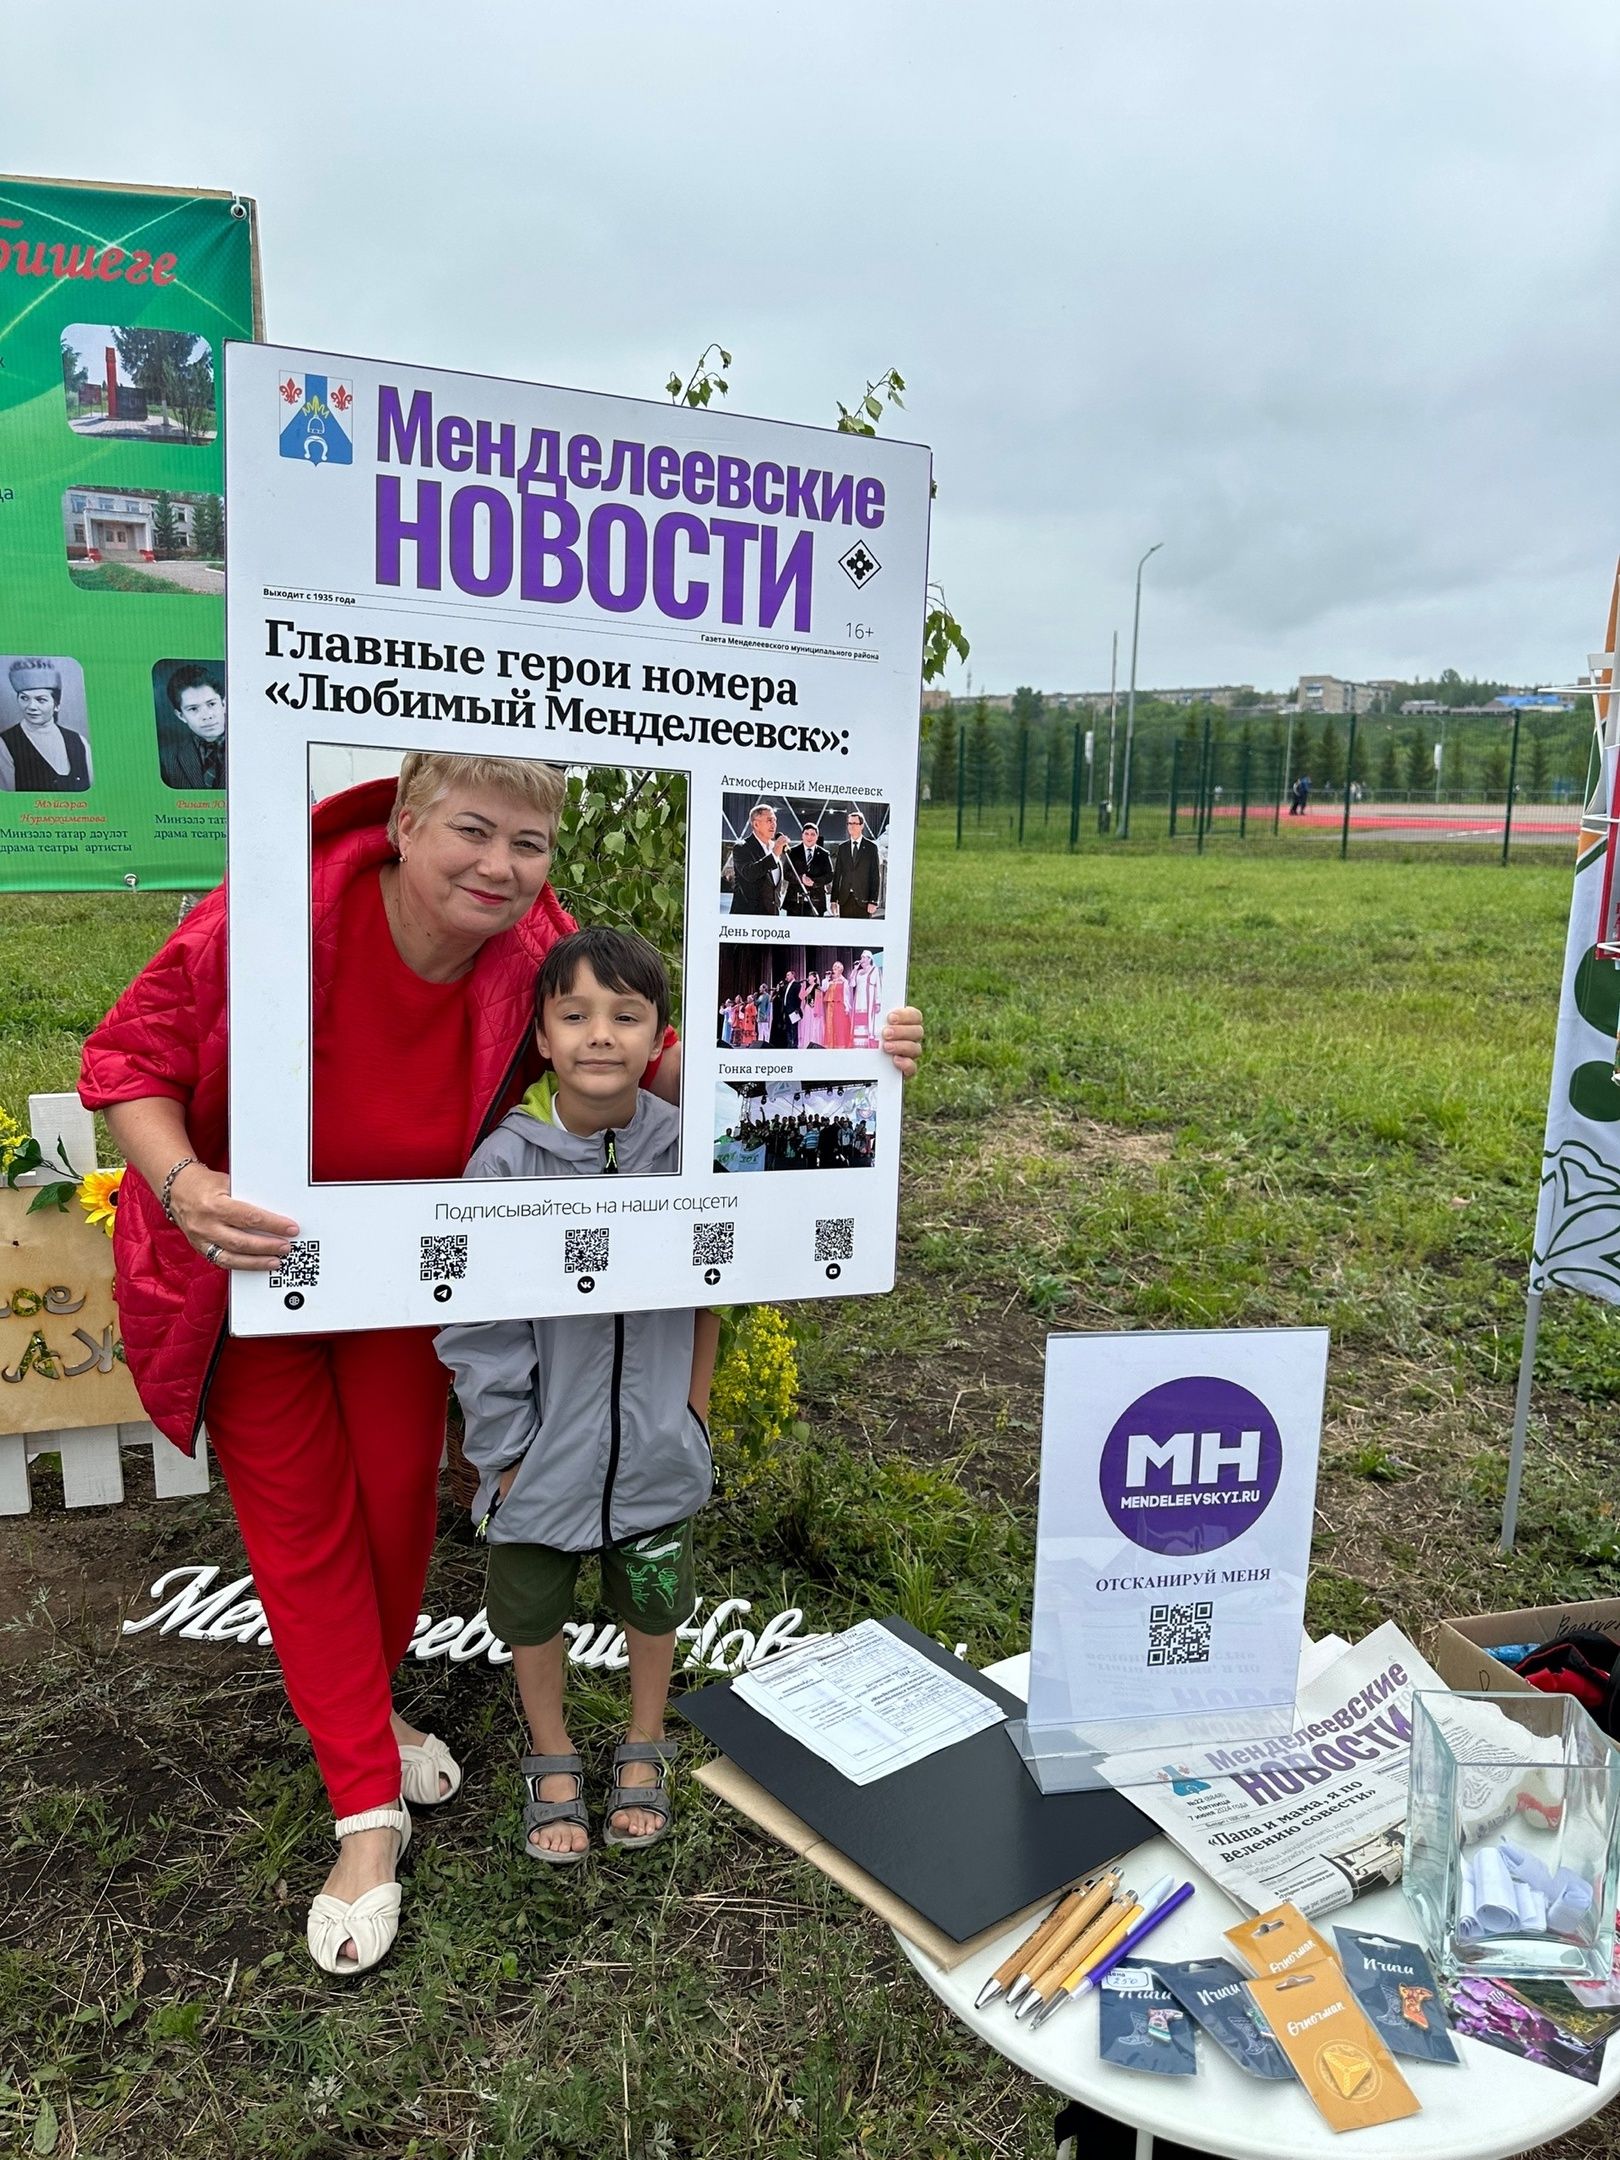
1493 773
1389 768
942 772
1328 769
208 528
621 853
982 754
160 363
165 527
1536 767
1358 757
1419 762
74 373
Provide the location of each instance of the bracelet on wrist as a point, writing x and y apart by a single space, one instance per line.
164 1200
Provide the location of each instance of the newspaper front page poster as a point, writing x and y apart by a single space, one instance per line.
1178 1483
428 561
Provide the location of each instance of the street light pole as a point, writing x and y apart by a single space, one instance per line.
1130 702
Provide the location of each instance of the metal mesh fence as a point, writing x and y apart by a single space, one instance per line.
1464 782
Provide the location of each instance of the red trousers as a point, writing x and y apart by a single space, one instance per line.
330 1447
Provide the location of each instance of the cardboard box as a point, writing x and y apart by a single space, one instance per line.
1458 1649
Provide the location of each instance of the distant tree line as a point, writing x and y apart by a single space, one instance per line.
1029 751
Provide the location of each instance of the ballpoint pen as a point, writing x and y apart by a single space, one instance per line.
1128 1928
1037 1953
1103 1966
1024 1955
1074 1952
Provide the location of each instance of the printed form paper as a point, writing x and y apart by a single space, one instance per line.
866 1702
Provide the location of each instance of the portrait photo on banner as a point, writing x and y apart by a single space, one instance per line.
188 705
44 727
799 997
804 855
556 828
794 1125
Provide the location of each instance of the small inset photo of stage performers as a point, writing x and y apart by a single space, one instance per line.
804 855
800 997
794 1125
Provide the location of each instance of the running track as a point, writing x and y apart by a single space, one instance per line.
1555 823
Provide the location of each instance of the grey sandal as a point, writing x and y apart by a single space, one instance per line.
654 1797
537 1813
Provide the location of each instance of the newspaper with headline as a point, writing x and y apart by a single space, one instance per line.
1314 1816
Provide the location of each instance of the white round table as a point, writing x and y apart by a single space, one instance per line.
1488 2107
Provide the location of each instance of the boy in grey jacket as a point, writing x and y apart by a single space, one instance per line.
588 1431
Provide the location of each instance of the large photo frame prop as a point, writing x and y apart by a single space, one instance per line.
423 560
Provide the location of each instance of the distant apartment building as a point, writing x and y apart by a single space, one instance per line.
1336 694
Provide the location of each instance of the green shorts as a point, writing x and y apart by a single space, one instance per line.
649 1583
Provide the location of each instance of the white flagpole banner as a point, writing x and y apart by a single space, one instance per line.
429 561
1178 1484
1577 1241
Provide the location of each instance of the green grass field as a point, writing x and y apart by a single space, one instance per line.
1160 1092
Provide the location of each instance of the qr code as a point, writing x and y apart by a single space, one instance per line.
444 1259
714 1244
1179 1634
585 1252
835 1237
300 1269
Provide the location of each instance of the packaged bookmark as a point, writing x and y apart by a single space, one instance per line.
1342 2063
1278 1941
1394 1983
1141 2026
1213 1993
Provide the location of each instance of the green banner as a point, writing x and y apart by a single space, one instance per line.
115 304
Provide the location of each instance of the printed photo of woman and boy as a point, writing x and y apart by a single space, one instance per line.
803 855
792 1125
800 997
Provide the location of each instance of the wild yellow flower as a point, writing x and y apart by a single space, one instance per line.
12 1137
98 1196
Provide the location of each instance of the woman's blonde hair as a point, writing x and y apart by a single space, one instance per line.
427 776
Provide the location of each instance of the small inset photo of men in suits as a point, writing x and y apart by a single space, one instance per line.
807 856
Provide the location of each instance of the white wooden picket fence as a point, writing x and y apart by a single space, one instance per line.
92 1456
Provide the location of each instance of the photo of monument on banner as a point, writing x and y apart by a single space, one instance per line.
624 597
115 306
1178 1483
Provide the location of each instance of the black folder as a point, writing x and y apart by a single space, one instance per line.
964 1836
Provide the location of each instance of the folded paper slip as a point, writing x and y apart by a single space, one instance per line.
738 1790
965 1836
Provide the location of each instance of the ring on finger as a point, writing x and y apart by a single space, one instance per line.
213 1255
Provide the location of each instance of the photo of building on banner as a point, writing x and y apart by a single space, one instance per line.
115 305
471 618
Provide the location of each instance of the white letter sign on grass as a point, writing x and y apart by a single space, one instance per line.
425 561
1178 1484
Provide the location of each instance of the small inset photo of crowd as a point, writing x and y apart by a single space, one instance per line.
44 730
804 855
794 1125
800 997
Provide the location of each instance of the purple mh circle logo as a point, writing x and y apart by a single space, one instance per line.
1191 1465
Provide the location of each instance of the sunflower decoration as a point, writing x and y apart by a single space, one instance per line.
98 1196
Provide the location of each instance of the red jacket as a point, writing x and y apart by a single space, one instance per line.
166 1036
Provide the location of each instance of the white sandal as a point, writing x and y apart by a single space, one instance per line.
421 1768
372 1921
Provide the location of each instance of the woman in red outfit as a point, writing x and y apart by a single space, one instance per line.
431 914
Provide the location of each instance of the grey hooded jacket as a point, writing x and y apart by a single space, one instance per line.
593 1406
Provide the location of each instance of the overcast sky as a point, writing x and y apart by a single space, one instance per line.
1321 296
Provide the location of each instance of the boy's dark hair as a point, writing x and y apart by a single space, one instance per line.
190 677
619 959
